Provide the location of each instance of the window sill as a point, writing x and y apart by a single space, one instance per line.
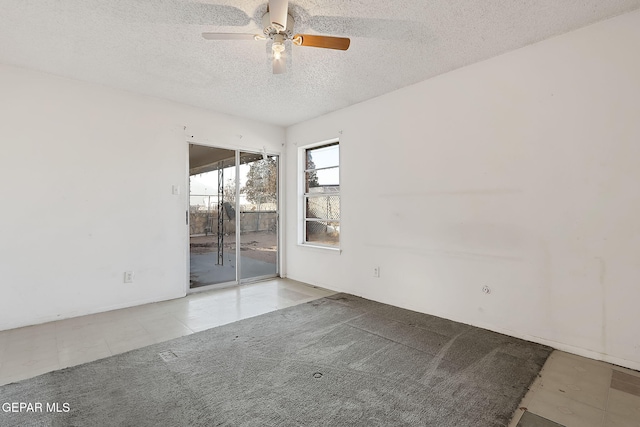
320 247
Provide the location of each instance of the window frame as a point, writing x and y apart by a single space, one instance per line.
304 195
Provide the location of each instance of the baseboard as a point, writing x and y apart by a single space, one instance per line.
579 351
53 318
317 284
591 354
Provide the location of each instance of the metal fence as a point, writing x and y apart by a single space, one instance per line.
203 216
324 207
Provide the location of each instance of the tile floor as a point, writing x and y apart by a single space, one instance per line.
574 391
34 350
571 391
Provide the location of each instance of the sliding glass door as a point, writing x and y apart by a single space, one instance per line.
212 224
258 216
233 197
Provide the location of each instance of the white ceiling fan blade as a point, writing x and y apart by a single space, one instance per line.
279 65
230 36
278 13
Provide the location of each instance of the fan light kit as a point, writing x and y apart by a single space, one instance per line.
278 27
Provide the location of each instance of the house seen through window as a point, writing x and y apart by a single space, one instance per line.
322 195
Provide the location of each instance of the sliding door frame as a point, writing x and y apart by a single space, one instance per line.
239 281
278 225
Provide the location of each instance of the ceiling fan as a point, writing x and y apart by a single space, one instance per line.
278 26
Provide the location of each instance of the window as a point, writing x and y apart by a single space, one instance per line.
321 200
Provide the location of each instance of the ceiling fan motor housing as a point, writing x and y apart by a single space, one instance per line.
270 31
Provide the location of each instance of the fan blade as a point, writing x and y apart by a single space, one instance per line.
326 42
278 10
229 36
279 65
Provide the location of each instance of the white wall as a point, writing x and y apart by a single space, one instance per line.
521 173
86 175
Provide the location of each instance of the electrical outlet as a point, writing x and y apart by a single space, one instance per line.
376 271
128 277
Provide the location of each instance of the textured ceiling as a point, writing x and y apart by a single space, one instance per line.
155 47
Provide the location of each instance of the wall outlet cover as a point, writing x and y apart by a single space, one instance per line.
128 276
